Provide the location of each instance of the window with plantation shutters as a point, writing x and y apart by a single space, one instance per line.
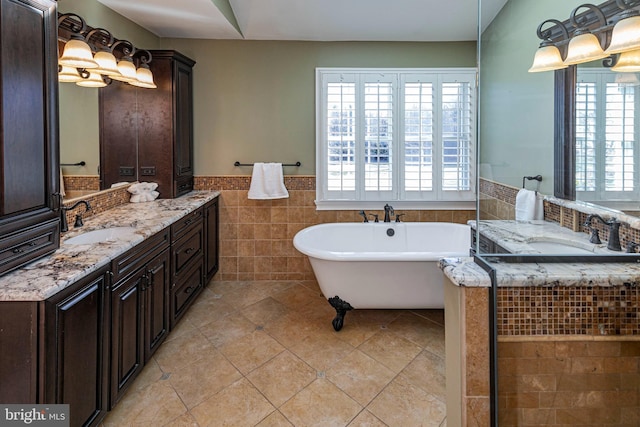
395 135
607 134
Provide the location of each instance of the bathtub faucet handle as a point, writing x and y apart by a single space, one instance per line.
364 215
375 217
398 217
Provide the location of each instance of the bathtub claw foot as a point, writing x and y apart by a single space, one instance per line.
341 310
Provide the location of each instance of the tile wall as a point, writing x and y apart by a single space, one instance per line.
256 236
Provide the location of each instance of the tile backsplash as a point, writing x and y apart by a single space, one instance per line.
256 236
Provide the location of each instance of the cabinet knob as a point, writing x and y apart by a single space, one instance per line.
188 290
189 250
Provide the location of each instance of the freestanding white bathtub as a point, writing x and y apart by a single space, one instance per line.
381 265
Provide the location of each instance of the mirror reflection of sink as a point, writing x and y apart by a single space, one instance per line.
553 246
102 235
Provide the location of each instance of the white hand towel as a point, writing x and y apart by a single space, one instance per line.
267 182
528 206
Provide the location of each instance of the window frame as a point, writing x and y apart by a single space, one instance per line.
600 77
422 200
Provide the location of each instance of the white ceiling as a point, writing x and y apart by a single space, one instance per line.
319 20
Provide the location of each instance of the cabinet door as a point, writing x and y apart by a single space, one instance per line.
127 356
211 239
156 303
184 120
76 350
29 171
118 134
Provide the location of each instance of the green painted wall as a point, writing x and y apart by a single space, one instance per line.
516 107
255 100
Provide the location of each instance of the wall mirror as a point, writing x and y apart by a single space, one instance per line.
79 133
518 114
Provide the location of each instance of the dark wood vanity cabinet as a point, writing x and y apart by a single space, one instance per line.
187 263
76 343
147 134
139 309
29 152
212 235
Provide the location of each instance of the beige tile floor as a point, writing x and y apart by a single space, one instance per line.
265 354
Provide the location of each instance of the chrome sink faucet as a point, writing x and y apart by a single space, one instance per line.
64 225
613 244
388 212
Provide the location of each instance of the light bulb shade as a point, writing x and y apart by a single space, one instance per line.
628 62
547 58
584 48
77 54
94 80
68 74
107 64
144 78
625 35
127 71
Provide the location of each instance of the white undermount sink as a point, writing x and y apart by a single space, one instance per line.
558 247
102 235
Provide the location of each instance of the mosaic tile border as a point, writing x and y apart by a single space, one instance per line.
594 311
81 182
242 182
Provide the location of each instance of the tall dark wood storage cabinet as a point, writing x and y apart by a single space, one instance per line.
147 134
29 152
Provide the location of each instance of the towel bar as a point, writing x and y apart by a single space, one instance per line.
82 163
537 178
297 164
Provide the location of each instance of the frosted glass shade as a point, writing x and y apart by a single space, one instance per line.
628 62
625 35
584 48
68 74
547 58
77 54
144 78
107 64
94 80
127 71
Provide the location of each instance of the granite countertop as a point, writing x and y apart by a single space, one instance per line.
47 276
516 237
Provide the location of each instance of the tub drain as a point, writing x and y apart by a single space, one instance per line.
390 232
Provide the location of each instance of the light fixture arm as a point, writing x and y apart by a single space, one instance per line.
145 56
105 39
128 49
77 24
547 35
602 20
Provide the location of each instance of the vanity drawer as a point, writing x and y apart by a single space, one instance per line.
139 255
18 248
185 224
187 248
183 293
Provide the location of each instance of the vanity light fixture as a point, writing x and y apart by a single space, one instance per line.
77 52
581 38
93 80
68 74
584 46
626 32
144 77
548 57
78 63
628 62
